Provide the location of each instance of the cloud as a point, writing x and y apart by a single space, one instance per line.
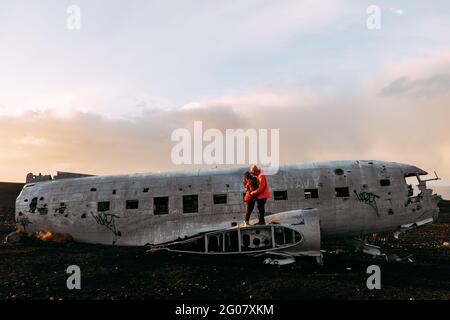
384 121
329 130
31 140
265 98
424 86
168 50
430 72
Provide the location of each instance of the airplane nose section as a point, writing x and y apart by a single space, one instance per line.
410 170
420 171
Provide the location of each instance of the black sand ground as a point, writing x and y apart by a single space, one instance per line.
38 271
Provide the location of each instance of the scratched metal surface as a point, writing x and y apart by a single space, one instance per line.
69 206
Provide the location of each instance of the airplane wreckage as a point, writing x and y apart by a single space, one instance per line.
201 211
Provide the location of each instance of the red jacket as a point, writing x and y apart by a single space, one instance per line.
263 188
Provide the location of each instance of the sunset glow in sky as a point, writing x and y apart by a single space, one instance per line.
104 99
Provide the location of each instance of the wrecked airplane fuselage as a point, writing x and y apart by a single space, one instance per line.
352 198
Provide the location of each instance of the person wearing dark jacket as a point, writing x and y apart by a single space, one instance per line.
250 185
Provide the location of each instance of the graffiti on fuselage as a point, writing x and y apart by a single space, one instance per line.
108 220
368 198
23 222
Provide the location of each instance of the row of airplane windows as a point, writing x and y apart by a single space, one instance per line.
190 202
383 183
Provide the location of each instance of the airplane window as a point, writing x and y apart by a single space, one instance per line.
413 188
385 182
190 203
342 192
161 205
311 193
103 206
339 172
93 189
146 190
132 204
280 195
220 198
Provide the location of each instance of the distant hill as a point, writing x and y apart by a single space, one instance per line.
444 191
444 214
8 194
444 206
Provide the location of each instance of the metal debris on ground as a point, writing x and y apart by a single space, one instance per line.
15 237
280 262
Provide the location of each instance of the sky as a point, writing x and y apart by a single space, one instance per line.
105 99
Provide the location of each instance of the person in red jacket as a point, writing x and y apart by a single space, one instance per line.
261 194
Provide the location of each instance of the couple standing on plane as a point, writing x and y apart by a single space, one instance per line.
256 192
